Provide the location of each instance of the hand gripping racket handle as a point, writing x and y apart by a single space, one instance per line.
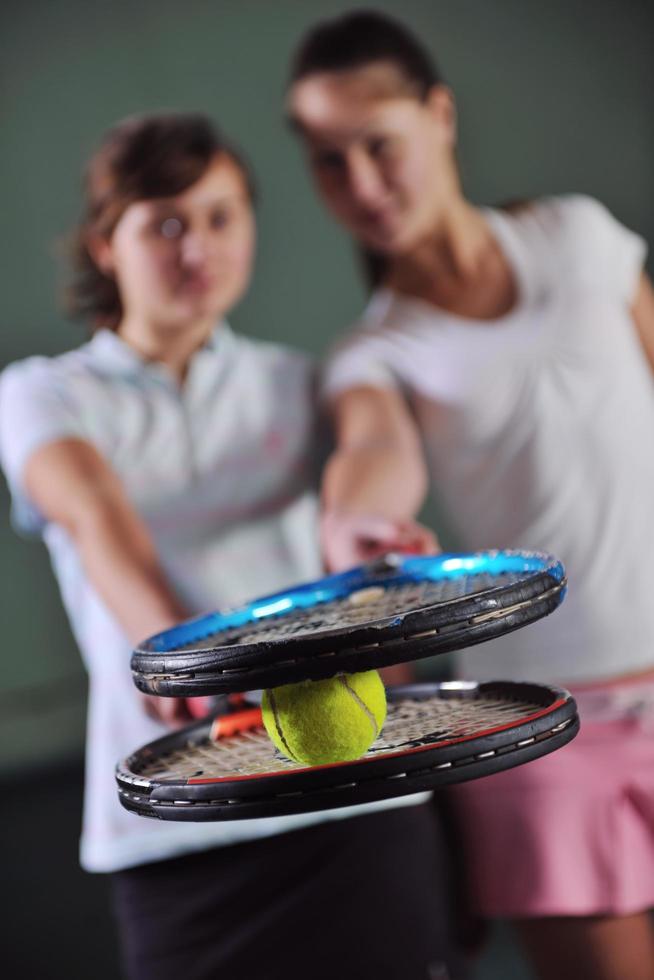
199 707
204 705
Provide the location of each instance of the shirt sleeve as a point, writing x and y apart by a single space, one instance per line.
360 359
609 256
35 409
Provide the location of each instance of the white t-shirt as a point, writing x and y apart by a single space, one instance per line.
224 473
538 429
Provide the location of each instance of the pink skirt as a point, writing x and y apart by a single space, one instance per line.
572 833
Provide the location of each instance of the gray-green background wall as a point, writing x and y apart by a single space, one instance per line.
553 96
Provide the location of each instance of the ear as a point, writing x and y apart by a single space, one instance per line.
442 107
101 252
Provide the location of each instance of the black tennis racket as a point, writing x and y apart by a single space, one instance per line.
435 735
395 609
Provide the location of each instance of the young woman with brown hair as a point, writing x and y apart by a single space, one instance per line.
171 467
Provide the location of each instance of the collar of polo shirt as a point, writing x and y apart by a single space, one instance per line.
122 358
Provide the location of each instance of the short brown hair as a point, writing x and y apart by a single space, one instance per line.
139 158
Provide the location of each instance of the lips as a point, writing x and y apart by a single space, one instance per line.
380 228
378 218
197 284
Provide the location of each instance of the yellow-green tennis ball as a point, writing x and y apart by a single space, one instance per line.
317 722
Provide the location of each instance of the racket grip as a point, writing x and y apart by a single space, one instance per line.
236 723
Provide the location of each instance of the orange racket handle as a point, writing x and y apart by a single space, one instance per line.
240 721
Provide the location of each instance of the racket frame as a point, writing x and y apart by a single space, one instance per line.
392 774
438 628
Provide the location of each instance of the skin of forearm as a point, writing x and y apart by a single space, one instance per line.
642 312
121 562
382 479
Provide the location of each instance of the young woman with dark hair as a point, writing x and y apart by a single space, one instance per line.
516 345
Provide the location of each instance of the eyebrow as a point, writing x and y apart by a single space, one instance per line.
295 124
163 203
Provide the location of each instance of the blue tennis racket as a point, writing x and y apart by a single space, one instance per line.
395 609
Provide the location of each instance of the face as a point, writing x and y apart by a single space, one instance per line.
383 160
185 258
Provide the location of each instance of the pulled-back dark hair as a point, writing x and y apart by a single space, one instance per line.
359 38
140 158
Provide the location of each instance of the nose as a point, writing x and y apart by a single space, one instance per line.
195 248
365 181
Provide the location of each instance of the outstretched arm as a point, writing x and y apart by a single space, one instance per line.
375 481
643 314
73 486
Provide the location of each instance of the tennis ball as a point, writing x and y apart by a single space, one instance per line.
335 720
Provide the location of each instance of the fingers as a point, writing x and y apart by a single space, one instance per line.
417 539
397 674
199 707
352 539
173 712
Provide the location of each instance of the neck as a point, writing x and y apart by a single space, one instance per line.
458 267
453 250
172 347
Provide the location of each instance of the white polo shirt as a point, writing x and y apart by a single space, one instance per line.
224 473
538 430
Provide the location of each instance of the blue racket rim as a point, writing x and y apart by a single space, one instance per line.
391 570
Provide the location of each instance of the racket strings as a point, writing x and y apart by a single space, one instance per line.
410 723
342 613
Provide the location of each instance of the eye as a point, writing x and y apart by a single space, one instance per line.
381 147
328 160
220 218
171 228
